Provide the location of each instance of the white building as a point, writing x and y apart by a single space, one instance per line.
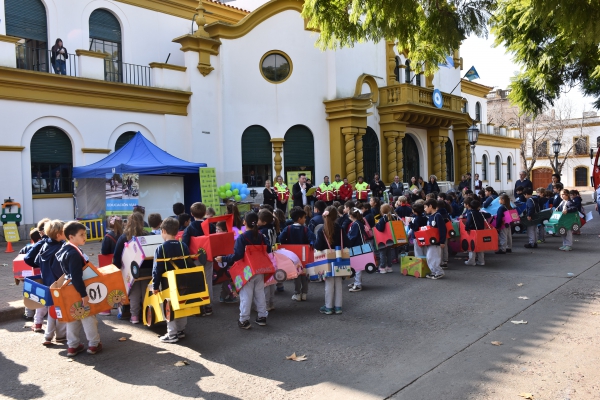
244 91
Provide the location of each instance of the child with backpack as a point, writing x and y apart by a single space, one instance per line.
532 208
474 221
356 237
386 255
503 227
269 230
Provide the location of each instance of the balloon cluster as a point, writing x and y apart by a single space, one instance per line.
238 191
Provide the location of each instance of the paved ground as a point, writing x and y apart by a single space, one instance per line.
400 338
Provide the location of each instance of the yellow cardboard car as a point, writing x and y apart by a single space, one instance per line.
182 292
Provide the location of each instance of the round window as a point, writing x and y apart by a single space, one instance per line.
276 66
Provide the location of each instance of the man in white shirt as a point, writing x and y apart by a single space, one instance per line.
39 184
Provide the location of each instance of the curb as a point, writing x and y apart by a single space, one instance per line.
10 314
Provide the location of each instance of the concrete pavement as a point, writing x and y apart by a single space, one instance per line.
401 338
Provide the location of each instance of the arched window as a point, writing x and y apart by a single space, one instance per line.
51 161
299 151
26 19
478 111
466 107
407 72
105 37
581 176
397 68
449 161
498 165
256 154
124 139
509 168
484 168
410 154
371 161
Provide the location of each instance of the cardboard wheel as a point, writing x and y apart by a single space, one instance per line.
562 230
417 274
370 268
404 271
52 312
168 311
464 244
575 227
353 273
202 257
135 270
150 316
432 240
472 245
452 233
280 275
518 228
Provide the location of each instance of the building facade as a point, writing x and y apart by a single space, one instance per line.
240 91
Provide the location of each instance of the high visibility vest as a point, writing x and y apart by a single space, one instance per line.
326 192
337 185
283 193
362 190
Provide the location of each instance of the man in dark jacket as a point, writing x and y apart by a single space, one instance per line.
377 187
396 188
299 191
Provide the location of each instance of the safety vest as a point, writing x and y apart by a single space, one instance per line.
326 192
282 190
337 185
362 190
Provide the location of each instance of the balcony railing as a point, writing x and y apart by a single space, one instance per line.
411 94
34 59
117 71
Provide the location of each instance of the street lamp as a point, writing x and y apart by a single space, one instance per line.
473 136
556 148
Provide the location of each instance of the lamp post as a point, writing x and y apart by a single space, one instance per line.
556 148
473 136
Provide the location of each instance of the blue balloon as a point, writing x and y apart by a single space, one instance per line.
246 191
245 186
243 195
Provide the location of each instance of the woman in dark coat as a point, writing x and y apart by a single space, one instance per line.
269 194
432 185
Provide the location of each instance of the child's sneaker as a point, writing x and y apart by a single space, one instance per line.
262 321
351 285
530 246
480 263
244 325
95 349
444 266
280 288
105 313
73 351
37 328
169 339
303 296
181 334
438 276
467 263
501 252
541 241
389 270
297 297
325 310
567 248
60 340
382 270
338 310
134 319
229 300
270 307
429 276
47 342
206 311
355 288
509 250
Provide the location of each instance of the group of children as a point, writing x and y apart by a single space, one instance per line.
324 227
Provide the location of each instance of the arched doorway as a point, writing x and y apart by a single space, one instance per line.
256 155
299 152
51 155
541 177
26 19
371 161
449 161
124 139
105 37
581 176
410 155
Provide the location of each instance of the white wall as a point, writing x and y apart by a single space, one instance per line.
491 152
471 106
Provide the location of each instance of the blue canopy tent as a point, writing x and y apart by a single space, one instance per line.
140 156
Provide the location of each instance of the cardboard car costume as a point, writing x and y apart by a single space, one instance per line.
135 252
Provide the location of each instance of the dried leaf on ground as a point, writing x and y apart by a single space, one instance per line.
496 343
294 357
594 313
122 339
181 363
519 284
519 322
524 297
526 395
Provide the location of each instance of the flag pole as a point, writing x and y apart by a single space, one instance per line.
459 82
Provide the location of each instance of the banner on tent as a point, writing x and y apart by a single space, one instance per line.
209 189
122 193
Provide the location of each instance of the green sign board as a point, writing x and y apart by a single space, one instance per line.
209 189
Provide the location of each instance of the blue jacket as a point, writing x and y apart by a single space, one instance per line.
474 220
380 226
339 239
500 216
345 222
169 249
532 206
570 206
437 221
317 219
489 200
109 243
245 239
356 234
556 200
417 222
269 232
34 251
72 263
577 202
195 229
47 261
456 210
297 234
404 211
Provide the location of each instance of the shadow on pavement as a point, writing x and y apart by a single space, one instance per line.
11 385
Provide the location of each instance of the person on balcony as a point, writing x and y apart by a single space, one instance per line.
59 57
39 184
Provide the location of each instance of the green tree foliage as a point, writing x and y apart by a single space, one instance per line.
556 41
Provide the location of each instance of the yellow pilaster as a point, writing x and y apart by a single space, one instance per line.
436 136
390 138
400 155
442 175
277 149
360 165
349 133
390 56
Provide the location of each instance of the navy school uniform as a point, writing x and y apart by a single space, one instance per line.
195 229
417 222
532 206
169 249
249 237
46 260
297 234
317 219
356 233
268 231
339 239
109 243
34 251
403 211
475 220
72 263
436 220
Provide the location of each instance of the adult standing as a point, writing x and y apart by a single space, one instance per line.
57 182
478 183
337 183
39 183
396 188
252 179
326 192
432 186
269 194
345 191
362 189
463 184
283 193
523 181
416 190
555 180
377 187
299 191
58 58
